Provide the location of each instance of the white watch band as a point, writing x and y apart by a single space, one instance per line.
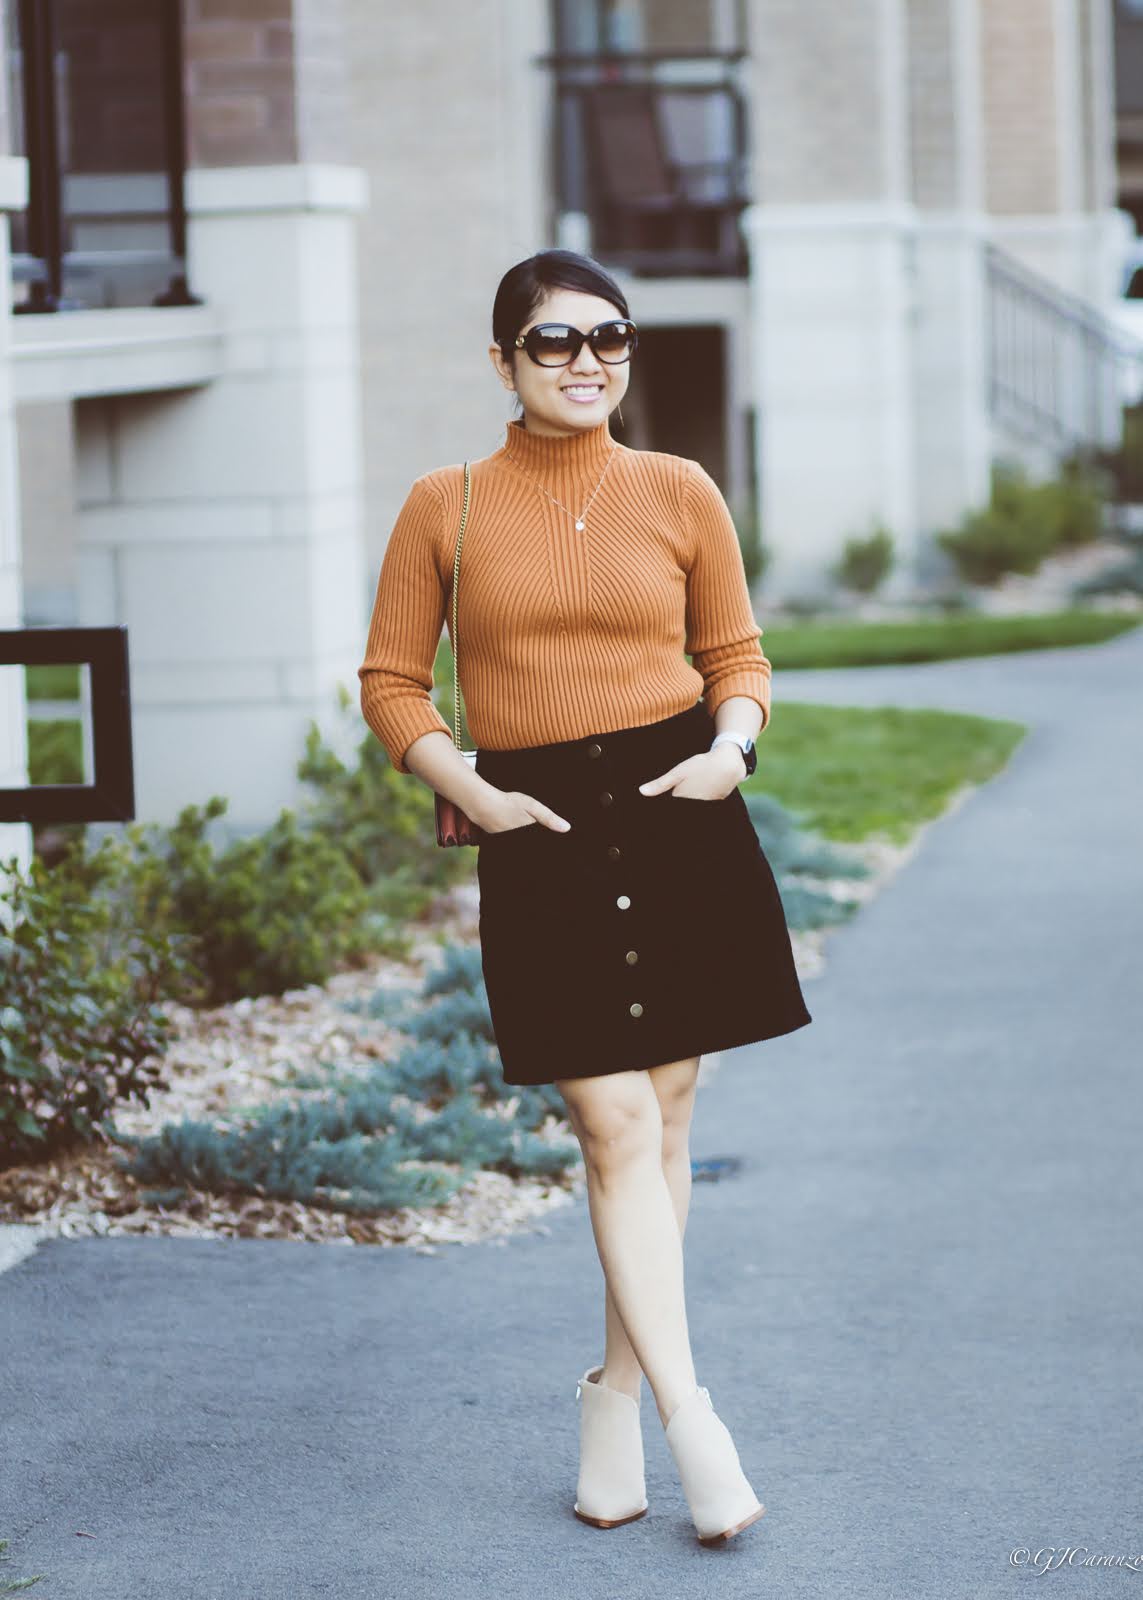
740 739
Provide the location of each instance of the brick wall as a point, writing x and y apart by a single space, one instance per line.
265 81
817 101
1018 68
932 104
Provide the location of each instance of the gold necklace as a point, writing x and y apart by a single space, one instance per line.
581 520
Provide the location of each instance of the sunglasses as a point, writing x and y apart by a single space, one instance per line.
556 344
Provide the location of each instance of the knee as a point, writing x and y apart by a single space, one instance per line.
616 1125
676 1109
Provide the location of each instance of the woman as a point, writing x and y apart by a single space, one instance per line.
629 919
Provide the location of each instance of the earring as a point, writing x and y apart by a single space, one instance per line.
619 408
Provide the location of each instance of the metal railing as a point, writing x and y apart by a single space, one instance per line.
1059 371
651 148
99 115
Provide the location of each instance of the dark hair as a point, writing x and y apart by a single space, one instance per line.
524 286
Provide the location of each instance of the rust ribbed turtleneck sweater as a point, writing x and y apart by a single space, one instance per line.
562 634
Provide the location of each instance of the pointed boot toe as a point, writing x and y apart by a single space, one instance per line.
611 1489
721 1500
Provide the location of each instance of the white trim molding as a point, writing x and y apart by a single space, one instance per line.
13 183
297 187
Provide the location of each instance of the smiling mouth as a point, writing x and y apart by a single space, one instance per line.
583 391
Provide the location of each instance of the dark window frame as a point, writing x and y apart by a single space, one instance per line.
43 263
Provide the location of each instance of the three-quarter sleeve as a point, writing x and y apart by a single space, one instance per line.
722 632
405 630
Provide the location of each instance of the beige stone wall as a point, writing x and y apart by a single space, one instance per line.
933 111
46 456
818 102
1097 90
1018 75
455 147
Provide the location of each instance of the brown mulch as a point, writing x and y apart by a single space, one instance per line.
236 1057
233 1058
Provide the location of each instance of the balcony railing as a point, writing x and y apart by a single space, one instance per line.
650 148
97 110
1059 371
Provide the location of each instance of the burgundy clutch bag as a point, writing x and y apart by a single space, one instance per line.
455 826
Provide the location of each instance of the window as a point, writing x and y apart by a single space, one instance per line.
97 110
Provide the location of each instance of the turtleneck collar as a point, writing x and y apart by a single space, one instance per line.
540 453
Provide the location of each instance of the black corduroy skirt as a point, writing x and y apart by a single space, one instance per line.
651 931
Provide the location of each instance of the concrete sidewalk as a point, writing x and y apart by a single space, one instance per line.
917 1306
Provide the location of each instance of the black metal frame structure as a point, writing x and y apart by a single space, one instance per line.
111 797
43 264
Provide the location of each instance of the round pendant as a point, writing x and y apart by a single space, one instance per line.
579 527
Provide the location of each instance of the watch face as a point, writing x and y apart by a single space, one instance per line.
751 759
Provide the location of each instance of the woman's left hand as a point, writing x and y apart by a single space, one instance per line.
710 775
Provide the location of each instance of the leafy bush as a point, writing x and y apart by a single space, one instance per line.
272 912
382 819
1124 465
1073 503
411 1132
81 978
1024 521
866 563
1010 534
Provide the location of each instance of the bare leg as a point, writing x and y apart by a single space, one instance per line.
674 1085
619 1121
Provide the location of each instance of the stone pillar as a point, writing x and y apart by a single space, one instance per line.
832 252
223 523
15 837
949 352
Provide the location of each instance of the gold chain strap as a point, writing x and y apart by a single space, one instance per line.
455 584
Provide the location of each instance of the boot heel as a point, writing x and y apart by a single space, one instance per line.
611 1488
721 1500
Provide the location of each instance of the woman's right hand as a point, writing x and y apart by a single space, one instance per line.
514 809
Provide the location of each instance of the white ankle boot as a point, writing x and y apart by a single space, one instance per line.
721 1500
611 1488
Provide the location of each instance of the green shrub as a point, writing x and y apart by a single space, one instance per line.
275 911
1073 504
383 820
81 979
1124 464
411 1132
1010 534
1024 522
866 563
55 751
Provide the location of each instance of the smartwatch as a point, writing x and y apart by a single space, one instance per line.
745 744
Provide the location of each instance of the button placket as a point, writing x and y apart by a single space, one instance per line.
622 902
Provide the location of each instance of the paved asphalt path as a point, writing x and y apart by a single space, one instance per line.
919 1306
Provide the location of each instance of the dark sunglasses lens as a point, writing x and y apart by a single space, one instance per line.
615 342
552 346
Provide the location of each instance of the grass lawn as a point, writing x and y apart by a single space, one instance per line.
867 644
849 772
